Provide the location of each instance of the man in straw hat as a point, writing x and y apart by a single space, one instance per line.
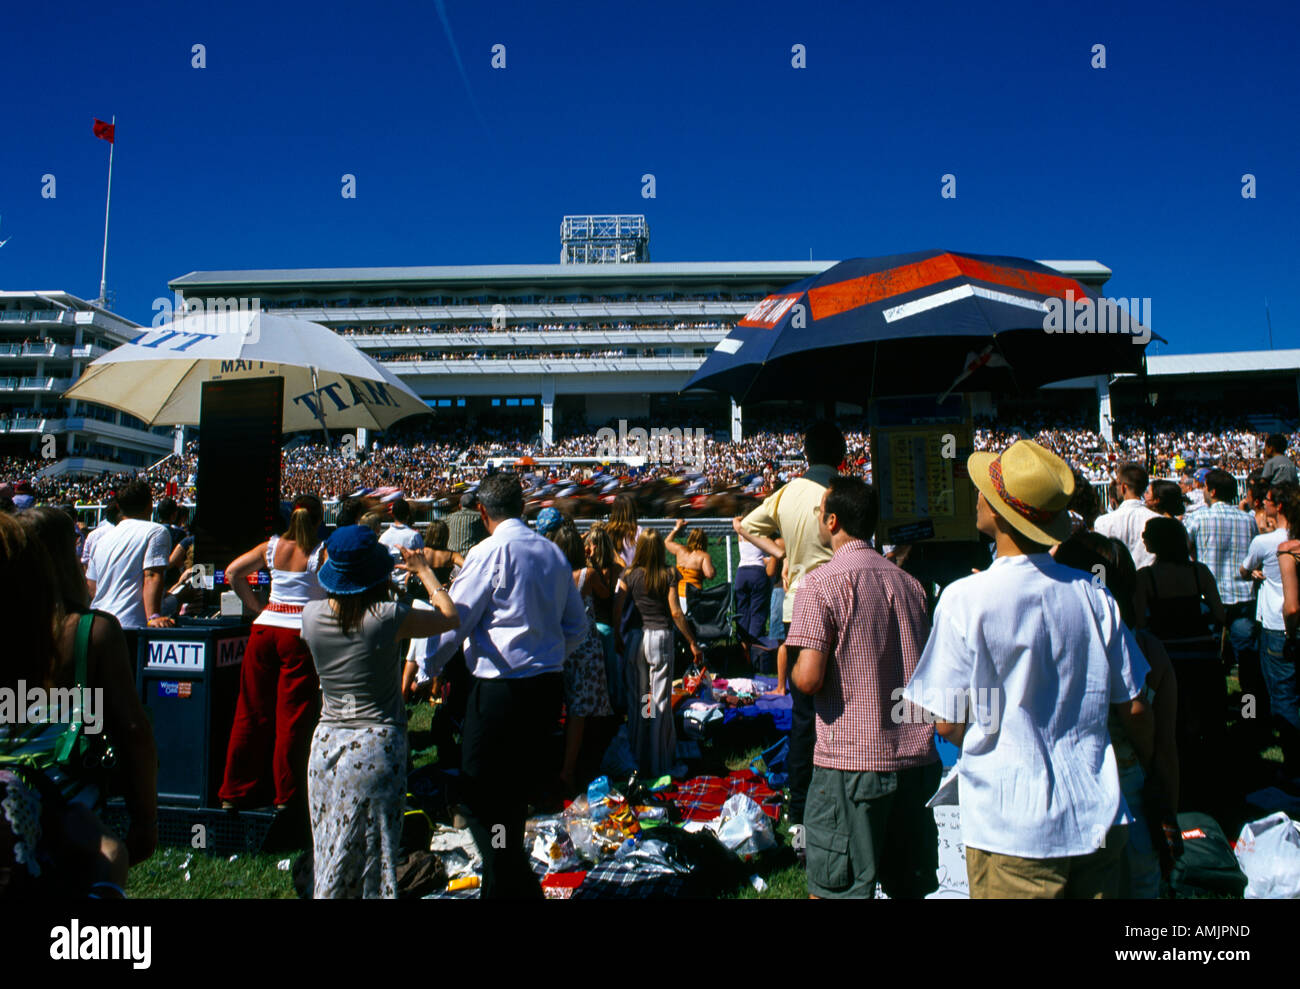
1024 664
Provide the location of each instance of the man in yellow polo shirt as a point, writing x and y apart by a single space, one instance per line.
791 511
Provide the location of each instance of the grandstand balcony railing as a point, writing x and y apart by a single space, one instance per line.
44 384
8 384
482 313
590 365
538 338
35 316
88 351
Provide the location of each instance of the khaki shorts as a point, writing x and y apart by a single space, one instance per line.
862 828
1080 877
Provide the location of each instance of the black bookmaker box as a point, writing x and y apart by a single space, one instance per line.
188 678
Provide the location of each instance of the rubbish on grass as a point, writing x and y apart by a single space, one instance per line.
554 847
284 865
743 827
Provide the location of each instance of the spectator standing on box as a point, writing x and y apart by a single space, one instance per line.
356 779
465 528
1127 521
1025 663
791 512
520 617
860 626
1278 467
279 692
125 573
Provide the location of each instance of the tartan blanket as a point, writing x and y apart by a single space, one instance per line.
701 798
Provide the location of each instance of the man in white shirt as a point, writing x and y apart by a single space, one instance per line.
1281 501
1127 521
520 616
125 572
112 515
400 534
1025 662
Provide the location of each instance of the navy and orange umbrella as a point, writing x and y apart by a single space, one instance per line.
928 323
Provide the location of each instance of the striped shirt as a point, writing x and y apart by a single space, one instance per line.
868 617
1222 535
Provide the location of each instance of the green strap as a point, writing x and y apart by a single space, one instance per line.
67 744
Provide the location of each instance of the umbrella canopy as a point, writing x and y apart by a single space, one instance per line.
157 376
932 322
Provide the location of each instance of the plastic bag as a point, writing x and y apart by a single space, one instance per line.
554 847
591 846
743 828
1268 851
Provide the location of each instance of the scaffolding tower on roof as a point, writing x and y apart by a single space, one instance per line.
605 239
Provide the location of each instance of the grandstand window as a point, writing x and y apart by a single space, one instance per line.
513 402
460 403
444 403
496 401
528 401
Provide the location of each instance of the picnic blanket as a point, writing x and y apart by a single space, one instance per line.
780 708
701 798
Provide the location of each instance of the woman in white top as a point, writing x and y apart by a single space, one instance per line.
279 693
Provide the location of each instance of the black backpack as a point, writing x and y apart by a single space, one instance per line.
1208 864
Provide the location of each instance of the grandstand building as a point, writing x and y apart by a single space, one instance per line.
576 345
46 340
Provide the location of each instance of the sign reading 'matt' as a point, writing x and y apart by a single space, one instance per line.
175 655
375 393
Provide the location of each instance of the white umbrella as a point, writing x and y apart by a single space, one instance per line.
327 381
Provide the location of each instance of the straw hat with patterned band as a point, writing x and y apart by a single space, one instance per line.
1029 486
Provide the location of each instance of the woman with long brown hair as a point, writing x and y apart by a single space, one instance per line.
652 586
51 843
623 528
278 690
603 560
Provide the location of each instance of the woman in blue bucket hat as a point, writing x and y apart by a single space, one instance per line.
356 778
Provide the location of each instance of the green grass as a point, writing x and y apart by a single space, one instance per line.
185 874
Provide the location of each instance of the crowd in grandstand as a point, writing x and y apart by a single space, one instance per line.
435 462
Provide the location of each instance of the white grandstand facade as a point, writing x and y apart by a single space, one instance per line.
46 341
577 344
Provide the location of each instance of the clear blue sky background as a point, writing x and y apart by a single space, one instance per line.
238 165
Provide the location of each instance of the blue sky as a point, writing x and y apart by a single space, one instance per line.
238 165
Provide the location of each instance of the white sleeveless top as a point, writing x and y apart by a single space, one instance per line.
290 589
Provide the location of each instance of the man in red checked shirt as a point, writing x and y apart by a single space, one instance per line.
860 627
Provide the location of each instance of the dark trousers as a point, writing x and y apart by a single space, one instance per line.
803 736
1241 648
753 599
507 738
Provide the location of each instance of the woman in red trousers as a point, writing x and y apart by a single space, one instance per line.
279 694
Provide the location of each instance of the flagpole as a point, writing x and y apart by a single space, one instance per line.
103 269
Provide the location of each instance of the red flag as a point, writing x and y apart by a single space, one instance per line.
104 130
